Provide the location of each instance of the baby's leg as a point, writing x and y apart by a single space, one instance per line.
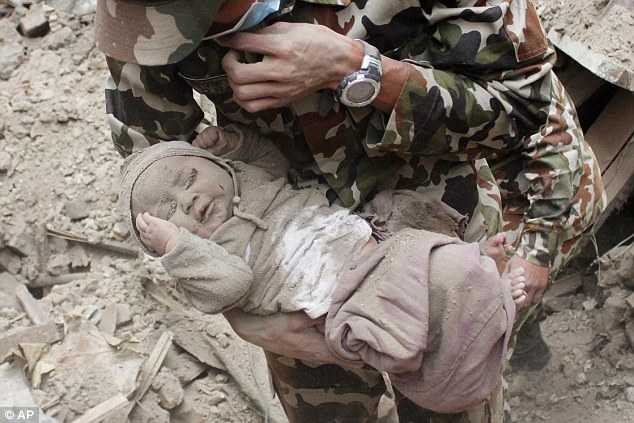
515 280
157 234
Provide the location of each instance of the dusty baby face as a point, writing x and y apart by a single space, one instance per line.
192 192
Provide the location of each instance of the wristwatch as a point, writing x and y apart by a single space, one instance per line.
361 87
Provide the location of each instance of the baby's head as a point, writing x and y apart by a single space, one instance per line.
179 183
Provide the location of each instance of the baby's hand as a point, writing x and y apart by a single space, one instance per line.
216 140
157 234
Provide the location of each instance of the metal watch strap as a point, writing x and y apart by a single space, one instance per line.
370 73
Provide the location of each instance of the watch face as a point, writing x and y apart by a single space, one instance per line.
360 92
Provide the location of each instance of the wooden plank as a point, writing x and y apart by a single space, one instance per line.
104 410
108 322
619 180
106 244
566 285
597 63
612 129
152 364
30 305
49 280
620 172
47 333
580 83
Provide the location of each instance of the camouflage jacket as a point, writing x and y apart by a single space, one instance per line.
481 90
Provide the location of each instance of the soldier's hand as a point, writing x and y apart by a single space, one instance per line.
297 60
288 334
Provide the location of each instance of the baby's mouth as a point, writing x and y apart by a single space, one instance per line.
205 212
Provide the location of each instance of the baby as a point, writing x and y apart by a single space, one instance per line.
236 234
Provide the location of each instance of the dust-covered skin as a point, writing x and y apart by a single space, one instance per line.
191 192
479 84
158 235
216 140
515 281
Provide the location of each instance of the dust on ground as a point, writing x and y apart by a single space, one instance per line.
58 180
602 26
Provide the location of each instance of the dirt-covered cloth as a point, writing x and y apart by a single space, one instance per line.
282 250
430 310
295 260
287 250
480 85
393 210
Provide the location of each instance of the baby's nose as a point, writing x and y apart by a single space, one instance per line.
187 201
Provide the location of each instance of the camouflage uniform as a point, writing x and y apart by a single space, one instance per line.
482 121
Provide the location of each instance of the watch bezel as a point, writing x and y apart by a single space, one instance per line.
356 79
370 74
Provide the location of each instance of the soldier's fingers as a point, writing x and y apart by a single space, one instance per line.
268 40
261 104
247 73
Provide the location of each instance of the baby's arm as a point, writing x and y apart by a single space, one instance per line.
210 277
157 234
240 143
217 141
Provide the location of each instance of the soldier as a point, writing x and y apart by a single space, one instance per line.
454 99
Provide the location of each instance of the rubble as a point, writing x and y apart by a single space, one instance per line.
35 22
597 33
92 330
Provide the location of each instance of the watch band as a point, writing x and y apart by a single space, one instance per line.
360 88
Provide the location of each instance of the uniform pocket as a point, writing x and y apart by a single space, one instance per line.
216 88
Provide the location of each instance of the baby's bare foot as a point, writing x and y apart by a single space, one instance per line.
495 247
515 280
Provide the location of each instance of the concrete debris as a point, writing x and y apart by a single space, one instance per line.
76 7
81 310
35 22
76 210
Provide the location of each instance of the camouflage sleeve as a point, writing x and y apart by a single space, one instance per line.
561 181
551 165
476 81
148 104
481 85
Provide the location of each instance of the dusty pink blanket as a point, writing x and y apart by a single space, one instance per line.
430 310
